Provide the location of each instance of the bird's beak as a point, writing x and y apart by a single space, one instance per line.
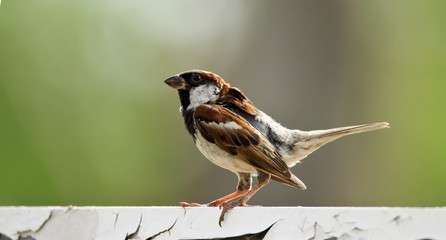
176 82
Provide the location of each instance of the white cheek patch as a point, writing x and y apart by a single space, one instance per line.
203 94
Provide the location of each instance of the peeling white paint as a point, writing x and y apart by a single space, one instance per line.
16 220
47 223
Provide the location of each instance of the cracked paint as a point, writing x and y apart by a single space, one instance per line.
133 235
319 233
69 225
42 225
250 236
164 231
3 237
18 221
144 223
26 238
116 219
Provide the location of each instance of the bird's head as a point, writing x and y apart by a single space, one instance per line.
198 87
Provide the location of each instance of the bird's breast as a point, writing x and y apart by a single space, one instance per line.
220 157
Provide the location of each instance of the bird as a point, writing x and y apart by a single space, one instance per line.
233 134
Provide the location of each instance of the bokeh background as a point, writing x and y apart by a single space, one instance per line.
86 119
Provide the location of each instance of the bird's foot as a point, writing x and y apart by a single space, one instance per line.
228 206
216 203
185 204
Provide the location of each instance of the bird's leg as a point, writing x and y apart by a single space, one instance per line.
244 184
263 180
226 198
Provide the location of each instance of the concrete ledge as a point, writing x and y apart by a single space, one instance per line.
47 223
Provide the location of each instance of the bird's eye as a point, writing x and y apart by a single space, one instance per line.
196 77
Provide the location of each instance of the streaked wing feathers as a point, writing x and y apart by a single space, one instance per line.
238 99
236 136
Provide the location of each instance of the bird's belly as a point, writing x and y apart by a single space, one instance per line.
221 158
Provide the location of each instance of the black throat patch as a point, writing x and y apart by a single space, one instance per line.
188 115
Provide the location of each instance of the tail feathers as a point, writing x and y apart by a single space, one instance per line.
343 131
312 140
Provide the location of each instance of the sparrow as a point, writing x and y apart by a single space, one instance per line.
233 134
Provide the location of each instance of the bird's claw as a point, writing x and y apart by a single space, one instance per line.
228 206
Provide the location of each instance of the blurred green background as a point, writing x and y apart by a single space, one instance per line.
86 119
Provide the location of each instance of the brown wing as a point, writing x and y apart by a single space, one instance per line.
236 136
